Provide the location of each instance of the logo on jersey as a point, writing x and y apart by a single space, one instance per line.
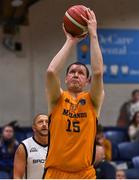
33 149
38 161
73 107
82 102
67 100
66 112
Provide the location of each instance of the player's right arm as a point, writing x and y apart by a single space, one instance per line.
19 163
53 87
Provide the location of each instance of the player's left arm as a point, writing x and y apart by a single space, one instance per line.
97 87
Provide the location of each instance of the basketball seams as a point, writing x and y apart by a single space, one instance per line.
79 10
72 28
75 12
73 21
84 28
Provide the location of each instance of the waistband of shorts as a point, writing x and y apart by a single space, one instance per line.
78 171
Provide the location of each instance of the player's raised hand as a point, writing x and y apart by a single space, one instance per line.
91 21
70 37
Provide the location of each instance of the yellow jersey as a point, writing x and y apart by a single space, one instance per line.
72 131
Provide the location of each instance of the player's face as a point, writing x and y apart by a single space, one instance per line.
76 78
41 125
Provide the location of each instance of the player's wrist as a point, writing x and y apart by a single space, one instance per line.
93 36
71 41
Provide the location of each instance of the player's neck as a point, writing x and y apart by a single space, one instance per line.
43 140
74 93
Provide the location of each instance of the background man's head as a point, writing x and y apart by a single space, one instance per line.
40 124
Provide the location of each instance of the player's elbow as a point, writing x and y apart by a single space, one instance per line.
50 72
103 95
18 173
98 74
17 177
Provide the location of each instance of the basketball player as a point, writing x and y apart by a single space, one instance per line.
31 153
73 113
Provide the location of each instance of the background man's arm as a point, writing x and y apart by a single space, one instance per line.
19 162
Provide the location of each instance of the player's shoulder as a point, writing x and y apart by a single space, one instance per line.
64 94
27 140
21 150
85 94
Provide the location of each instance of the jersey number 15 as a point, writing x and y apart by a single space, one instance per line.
73 126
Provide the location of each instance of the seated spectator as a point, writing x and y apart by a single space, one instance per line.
120 174
104 169
100 154
101 140
133 130
128 109
8 146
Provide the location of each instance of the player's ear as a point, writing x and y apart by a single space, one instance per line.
88 81
33 128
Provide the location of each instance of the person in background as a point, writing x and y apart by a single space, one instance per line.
120 174
100 154
104 169
30 155
128 110
103 141
8 146
133 129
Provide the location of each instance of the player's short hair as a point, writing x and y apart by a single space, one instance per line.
78 63
36 117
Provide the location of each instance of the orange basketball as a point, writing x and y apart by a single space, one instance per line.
74 23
